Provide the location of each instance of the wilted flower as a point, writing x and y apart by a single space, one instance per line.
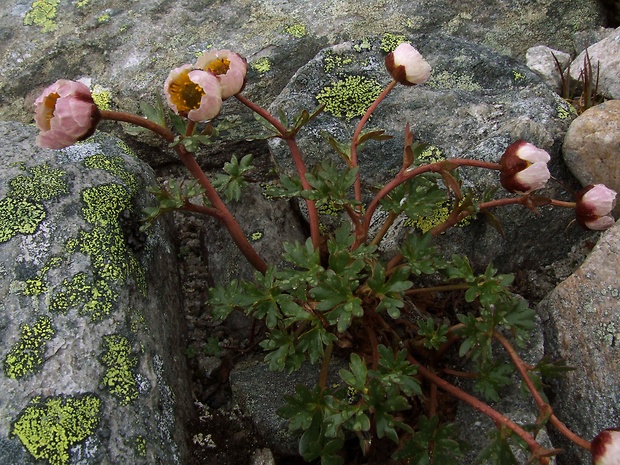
524 167
230 69
407 66
605 447
193 93
594 205
65 113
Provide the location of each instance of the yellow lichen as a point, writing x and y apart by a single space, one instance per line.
42 13
262 65
296 30
49 428
119 378
27 355
349 97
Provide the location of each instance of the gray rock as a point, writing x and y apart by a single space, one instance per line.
581 323
128 51
260 393
591 146
475 104
540 60
605 59
92 365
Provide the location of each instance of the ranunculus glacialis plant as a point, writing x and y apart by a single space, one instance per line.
407 66
65 113
229 68
606 448
594 205
193 93
524 168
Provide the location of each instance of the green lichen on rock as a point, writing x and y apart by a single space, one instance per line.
119 377
42 13
350 96
262 65
112 261
38 285
140 445
390 41
113 165
296 30
334 61
447 80
49 428
22 210
44 183
101 96
26 356
439 214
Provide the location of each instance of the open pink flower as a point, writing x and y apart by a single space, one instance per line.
65 113
230 69
193 93
594 205
524 168
605 448
407 66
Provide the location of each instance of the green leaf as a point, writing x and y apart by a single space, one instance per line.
492 377
434 336
432 443
289 187
421 256
178 123
355 378
498 452
233 181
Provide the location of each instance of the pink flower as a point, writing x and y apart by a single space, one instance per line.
65 113
193 93
605 447
524 167
230 69
594 205
407 66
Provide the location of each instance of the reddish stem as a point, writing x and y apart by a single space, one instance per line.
224 215
406 174
487 410
313 215
540 402
358 130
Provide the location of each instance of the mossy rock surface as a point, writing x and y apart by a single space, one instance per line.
91 356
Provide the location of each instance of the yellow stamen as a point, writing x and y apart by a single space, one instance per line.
185 94
219 66
50 106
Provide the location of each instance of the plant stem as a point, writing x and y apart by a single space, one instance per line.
542 405
327 356
313 215
405 175
358 130
224 215
487 410
445 287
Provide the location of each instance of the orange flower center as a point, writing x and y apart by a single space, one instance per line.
184 93
219 66
50 106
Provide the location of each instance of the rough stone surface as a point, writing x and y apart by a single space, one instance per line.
540 60
475 104
605 59
260 392
592 144
581 322
127 50
92 365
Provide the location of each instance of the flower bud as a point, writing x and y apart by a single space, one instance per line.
193 93
594 205
605 447
65 113
229 68
524 168
407 66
